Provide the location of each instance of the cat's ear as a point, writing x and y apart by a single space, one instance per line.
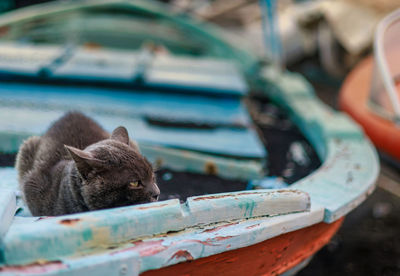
85 162
120 134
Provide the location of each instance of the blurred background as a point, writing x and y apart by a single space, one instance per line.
324 41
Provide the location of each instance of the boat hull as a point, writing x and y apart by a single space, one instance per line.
271 257
353 99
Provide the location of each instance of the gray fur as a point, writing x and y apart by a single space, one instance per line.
76 166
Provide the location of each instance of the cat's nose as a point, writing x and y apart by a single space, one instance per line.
156 193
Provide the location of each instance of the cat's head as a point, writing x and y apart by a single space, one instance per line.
114 173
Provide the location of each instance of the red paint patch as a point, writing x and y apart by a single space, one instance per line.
35 268
219 227
235 195
69 222
152 207
211 197
182 254
252 226
221 238
148 248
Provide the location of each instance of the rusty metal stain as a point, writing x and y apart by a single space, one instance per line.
210 168
182 254
39 267
69 222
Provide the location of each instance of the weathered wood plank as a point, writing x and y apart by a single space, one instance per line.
26 59
208 82
54 238
345 179
98 64
241 142
189 108
189 161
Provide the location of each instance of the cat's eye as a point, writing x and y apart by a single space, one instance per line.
135 184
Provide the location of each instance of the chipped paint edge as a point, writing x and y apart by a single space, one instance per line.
321 125
85 231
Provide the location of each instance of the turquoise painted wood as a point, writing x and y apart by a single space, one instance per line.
195 74
54 238
350 164
133 103
29 110
189 161
158 70
25 60
105 242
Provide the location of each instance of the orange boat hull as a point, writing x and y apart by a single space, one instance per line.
271 257
353 99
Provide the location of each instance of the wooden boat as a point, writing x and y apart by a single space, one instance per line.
248 232
370 93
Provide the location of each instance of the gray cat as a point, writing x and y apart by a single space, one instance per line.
76 166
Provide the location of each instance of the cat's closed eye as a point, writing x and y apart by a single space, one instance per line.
136 184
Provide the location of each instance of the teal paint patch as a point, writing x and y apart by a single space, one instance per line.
350 165
87 234
30 110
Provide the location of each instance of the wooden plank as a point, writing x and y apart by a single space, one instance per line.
201 65
189 161
140 256
58 237
194 81
241 142
25 59
188 108
98 64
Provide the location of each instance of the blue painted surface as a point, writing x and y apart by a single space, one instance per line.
25 59
31 109
190 108
196 74
98 65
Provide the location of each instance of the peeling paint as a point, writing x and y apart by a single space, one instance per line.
252 226
219 227
144 249
152 207
219 238
69 222
182 254
38 267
